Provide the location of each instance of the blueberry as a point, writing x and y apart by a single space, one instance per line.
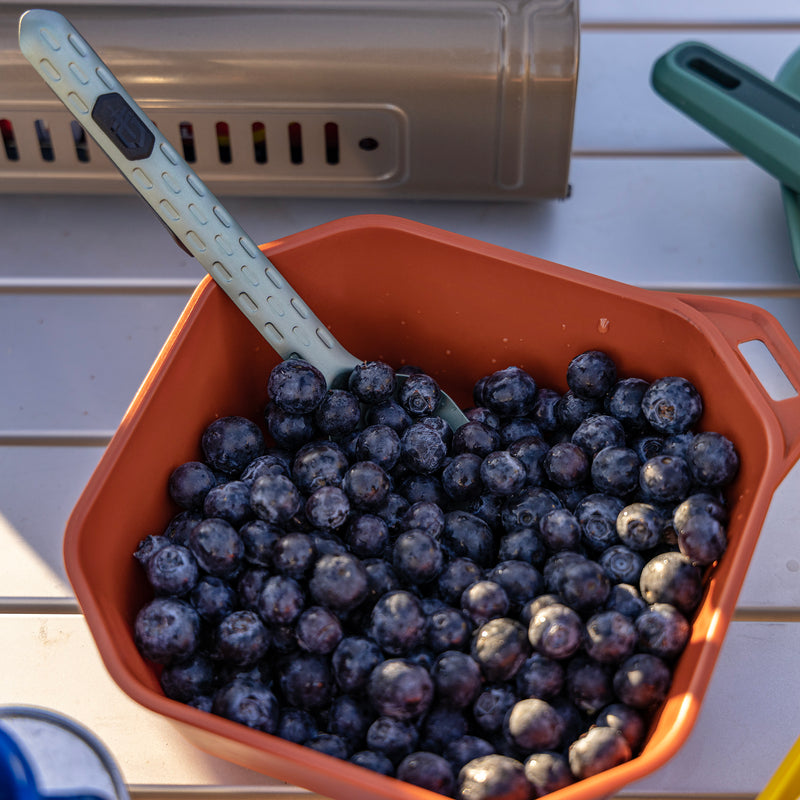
398 623
338 414
249 585
416 488
639 526
305 681
591 374
294 554
544 412
172 570
381 579
647 446
296 386
389 413
615 470
443 725
699 503
296 725
349 717
502 473
571 409
533 724
556 631
229 444
621 564
597 432
372 381
509 392
330 744
189 483
597 750
500 647
392 738
665 479
259 539
493 777
526 509
662 630
327 508
213 598
268 464
642 681
185 680
428 770
373 761
597 515
229 501
166 630
566 464
484 415
424 515
217 546
532 607
339 582
392 510
461 477
466 535
523 544
518 428
457 575
456 679
366 485
422 449
380 444
610 637
672 405
475 437
317 464
275 498
318 630
150 545
560 530
531 450
672 578
491 706
352 662
289 431
448 629
399 689
540 676
713 459
520 581
484 600
281 600
624 402
553 570
627 720
241 638
678 444
466 748
626 599
248 702
584 585
547 772
417 557
702 539
367 535
419 394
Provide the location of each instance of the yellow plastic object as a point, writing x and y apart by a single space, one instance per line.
785 783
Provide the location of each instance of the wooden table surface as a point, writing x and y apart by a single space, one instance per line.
90 287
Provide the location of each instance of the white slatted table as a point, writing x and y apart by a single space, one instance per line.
90 287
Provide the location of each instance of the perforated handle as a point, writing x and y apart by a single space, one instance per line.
87 87
739 323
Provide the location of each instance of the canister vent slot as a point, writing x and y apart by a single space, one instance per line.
45 140
295 142
9 140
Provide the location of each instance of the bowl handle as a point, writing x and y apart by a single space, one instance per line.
752 332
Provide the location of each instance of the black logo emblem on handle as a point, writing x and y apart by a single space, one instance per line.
123 126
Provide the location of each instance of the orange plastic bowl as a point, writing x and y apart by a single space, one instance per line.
402 292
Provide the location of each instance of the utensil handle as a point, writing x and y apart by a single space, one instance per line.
741 324
748 112
198 220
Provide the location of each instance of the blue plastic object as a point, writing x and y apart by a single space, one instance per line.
17 781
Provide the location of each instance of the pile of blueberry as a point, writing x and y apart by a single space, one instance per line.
491 612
